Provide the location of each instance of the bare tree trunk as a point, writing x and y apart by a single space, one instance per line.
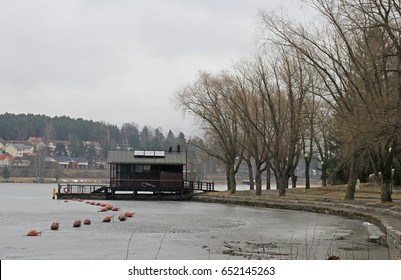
352 179
386 187
268 179
228 177
231 183
258 178
387 181
282 184
250 175
307 178
324 174
294 179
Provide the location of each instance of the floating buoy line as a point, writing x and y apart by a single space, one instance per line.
34 232
107 219
122 217
54 226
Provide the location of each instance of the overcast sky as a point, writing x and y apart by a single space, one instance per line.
119 61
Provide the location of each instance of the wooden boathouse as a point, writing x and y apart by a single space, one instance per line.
141 174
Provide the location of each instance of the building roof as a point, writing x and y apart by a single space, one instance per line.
168 158
20 146
5 156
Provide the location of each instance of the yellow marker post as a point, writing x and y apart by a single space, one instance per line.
53 193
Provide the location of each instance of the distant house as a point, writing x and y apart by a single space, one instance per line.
155 171
81 163
63 161
6 160
21 162
71 162
50 162
94 145
53 144
19 149
37 142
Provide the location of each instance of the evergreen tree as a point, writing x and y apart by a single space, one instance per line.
6 172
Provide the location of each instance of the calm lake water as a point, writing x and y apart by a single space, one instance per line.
172 230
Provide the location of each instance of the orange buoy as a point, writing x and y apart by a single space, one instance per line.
87 202
129 214
77 223
79 200
65 200
115 209
107 219
87 222
109 207
92 203
103 204
122 217
97 203
54 226
104 209
33 233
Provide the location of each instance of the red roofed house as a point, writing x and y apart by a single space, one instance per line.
6 160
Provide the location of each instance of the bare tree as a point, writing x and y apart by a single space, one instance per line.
357 55
247 104
278 82
208 100
322 138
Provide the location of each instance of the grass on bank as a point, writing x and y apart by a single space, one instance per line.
367 194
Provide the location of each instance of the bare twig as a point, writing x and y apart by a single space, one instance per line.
161 242
129 242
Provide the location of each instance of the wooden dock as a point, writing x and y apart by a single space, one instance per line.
146 191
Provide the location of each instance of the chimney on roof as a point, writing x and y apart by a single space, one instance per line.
178 148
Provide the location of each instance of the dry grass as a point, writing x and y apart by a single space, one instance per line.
397 256
368 194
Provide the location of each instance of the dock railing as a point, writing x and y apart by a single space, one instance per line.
135 185
200 186
80 188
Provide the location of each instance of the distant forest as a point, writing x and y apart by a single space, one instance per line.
22 126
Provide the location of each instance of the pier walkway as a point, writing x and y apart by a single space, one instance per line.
143 191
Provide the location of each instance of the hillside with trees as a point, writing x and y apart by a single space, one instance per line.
60 129
22 126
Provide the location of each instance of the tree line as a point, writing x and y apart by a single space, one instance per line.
329 89
23 126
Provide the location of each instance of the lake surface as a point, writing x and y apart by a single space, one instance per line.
172 230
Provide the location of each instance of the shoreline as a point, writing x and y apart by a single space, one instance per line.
387 219
31 180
